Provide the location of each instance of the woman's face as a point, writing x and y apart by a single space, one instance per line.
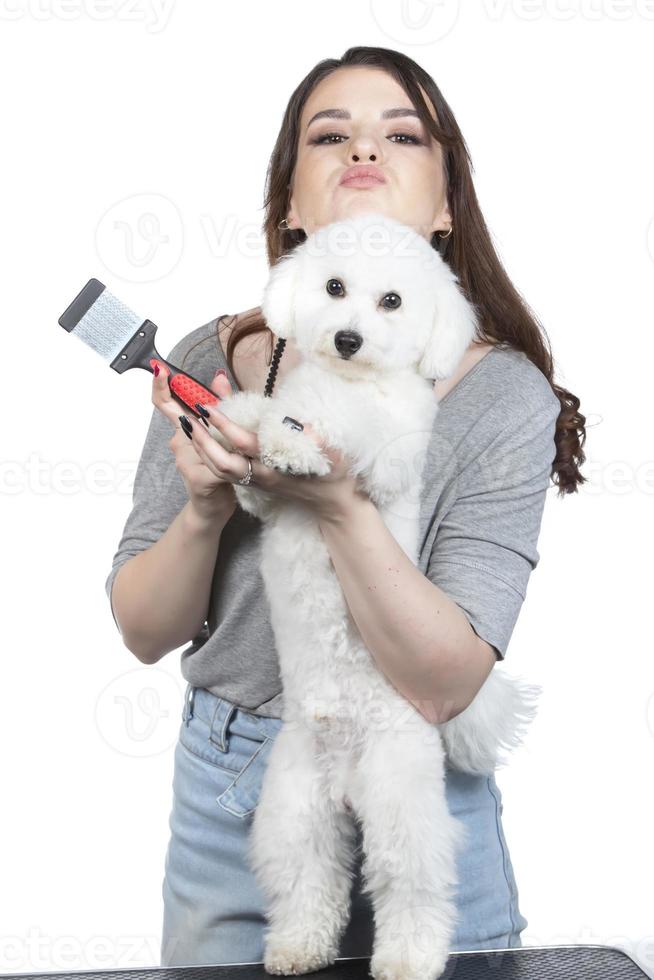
414 192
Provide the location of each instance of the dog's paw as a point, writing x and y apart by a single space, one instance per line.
285 449
291 955
408 961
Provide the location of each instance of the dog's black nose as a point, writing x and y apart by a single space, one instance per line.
347 342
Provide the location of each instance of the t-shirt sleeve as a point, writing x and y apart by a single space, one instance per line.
159 492
486 545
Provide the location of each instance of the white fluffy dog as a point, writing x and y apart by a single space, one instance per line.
377 315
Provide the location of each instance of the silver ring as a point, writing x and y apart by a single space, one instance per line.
245 480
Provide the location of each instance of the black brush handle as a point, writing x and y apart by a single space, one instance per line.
140 352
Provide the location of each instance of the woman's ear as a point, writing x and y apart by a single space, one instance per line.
278 302
453 327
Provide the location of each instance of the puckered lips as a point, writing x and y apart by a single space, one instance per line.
362 175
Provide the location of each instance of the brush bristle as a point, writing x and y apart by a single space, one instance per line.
107 326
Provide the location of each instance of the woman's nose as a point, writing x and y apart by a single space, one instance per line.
364 147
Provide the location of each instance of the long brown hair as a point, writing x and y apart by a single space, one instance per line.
505 317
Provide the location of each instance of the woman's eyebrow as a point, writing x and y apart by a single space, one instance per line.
344 114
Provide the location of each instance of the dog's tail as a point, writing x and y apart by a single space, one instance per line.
496 720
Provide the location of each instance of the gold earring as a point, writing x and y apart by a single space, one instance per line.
448 234
283 224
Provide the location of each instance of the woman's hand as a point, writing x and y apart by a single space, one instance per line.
210 490
329 497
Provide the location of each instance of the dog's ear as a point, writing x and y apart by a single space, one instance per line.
453 327
278 303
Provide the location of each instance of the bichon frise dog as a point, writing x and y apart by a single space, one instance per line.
377 315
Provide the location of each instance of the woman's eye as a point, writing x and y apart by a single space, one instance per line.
325 137
391 301
328 137
335 287
408 136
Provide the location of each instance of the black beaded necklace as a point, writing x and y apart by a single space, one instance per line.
276 358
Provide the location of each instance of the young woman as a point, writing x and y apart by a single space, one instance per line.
188 558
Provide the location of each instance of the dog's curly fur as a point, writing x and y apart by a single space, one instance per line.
351 747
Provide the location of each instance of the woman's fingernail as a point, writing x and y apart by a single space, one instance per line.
294 424
186 426
203 412
220 371
156 370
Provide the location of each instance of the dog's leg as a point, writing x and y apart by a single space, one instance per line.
301 851
410 843
247 408
257 502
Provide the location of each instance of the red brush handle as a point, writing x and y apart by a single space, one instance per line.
187 389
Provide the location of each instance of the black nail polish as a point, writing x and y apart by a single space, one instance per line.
204 422
287 420
186 426
203 412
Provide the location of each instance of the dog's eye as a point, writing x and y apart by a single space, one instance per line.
391 301
335 287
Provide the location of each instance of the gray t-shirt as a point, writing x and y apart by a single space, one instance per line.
487 470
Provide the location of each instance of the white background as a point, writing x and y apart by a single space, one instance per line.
114 111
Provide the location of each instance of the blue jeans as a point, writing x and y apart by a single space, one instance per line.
213 909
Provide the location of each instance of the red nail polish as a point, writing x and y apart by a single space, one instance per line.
156 370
